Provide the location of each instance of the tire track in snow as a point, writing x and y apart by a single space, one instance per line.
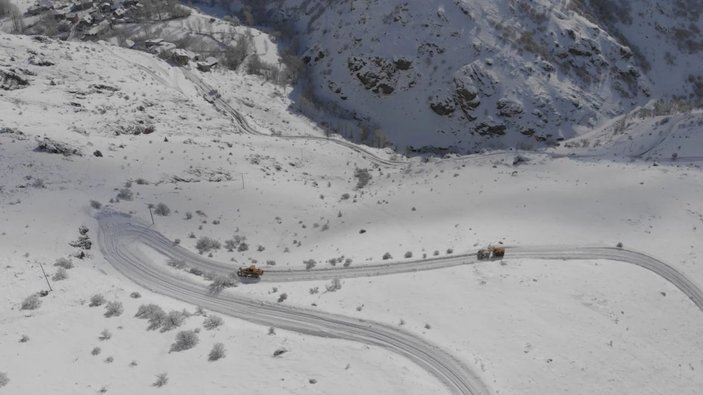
119 234
136 230
117 244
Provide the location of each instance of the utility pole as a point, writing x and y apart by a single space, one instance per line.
45 277
152 215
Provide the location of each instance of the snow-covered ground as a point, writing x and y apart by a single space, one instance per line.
526 326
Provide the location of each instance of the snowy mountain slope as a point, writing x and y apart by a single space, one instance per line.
654 132
465 74
526 326
666 35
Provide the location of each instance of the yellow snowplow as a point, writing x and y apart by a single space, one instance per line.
250 272
492 252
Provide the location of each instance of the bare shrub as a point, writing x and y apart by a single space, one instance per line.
347 262
105 335
212 322
97 300
96 204
282 297
185 340
61 274
409 254
162 210
109 359
177 263
173 319
161 380
125 194
235 55
217 352
206 244
135 295
243 247
114 309
95 351
31 302
335 285
155 314
362 177
3 379
220 282
24 339
309 264
64 263
387 256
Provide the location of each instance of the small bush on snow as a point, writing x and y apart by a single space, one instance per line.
96 300
212 322
409 254
125 194
113 309
95 351
147 311
162 210
206 244
161 380
60 274
64 263
185 340
177 263
220 282
105 335
335 285
3 379
32 302
387 256
309 264
155 314
173 319
217 352
95 204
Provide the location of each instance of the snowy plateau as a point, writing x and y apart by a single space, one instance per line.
351 197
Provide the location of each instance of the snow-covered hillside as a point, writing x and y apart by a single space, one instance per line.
666 36
468 74
90 124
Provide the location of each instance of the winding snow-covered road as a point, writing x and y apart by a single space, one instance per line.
129 229
117 239
119 235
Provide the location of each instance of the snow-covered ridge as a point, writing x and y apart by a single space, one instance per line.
470 74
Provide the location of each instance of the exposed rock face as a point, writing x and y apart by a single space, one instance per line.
508 108
443 106
490 129
11 80
55 147
135 129
471 74
379 75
